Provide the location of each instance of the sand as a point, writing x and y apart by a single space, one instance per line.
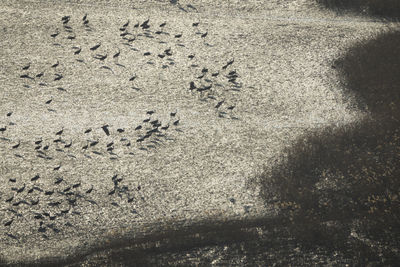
201 168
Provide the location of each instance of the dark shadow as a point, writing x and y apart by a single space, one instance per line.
340 186
172 243
254 242
389 9
372 71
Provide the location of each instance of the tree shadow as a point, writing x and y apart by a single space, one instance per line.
388 9
339 186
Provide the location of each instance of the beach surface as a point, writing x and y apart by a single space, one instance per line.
64 189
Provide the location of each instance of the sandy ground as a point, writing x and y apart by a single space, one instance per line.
200 168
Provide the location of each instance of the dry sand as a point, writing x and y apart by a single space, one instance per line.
202 169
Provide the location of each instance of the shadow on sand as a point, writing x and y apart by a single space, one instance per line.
340 186
388 9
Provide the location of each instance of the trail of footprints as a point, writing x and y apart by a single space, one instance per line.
41 205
